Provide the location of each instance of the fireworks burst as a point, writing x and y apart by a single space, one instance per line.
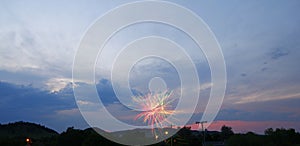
156 108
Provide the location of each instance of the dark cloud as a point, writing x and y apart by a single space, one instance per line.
276 110
19 102
243 74
239 114
264 69
106 92
57 109
278 53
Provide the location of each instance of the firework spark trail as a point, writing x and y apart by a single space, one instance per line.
156 108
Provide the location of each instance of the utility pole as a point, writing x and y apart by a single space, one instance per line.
202 122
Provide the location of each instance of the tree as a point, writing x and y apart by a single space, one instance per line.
269 131
72 137
226 132
282 136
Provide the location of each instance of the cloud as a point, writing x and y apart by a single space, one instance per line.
68 112
37 39
278 53
262 97
18 51
261 91
19 102
206 86
83 102
57 84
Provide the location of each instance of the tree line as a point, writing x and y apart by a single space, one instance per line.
16 134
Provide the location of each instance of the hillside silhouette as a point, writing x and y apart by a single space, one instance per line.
25 129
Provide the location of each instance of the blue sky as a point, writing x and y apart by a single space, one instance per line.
259 40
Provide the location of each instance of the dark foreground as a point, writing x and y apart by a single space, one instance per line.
15 134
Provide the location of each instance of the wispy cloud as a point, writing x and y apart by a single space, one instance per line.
68 112
263 97
83 102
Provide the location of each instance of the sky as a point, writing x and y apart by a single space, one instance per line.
259 41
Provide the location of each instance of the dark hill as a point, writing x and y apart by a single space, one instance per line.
25 129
